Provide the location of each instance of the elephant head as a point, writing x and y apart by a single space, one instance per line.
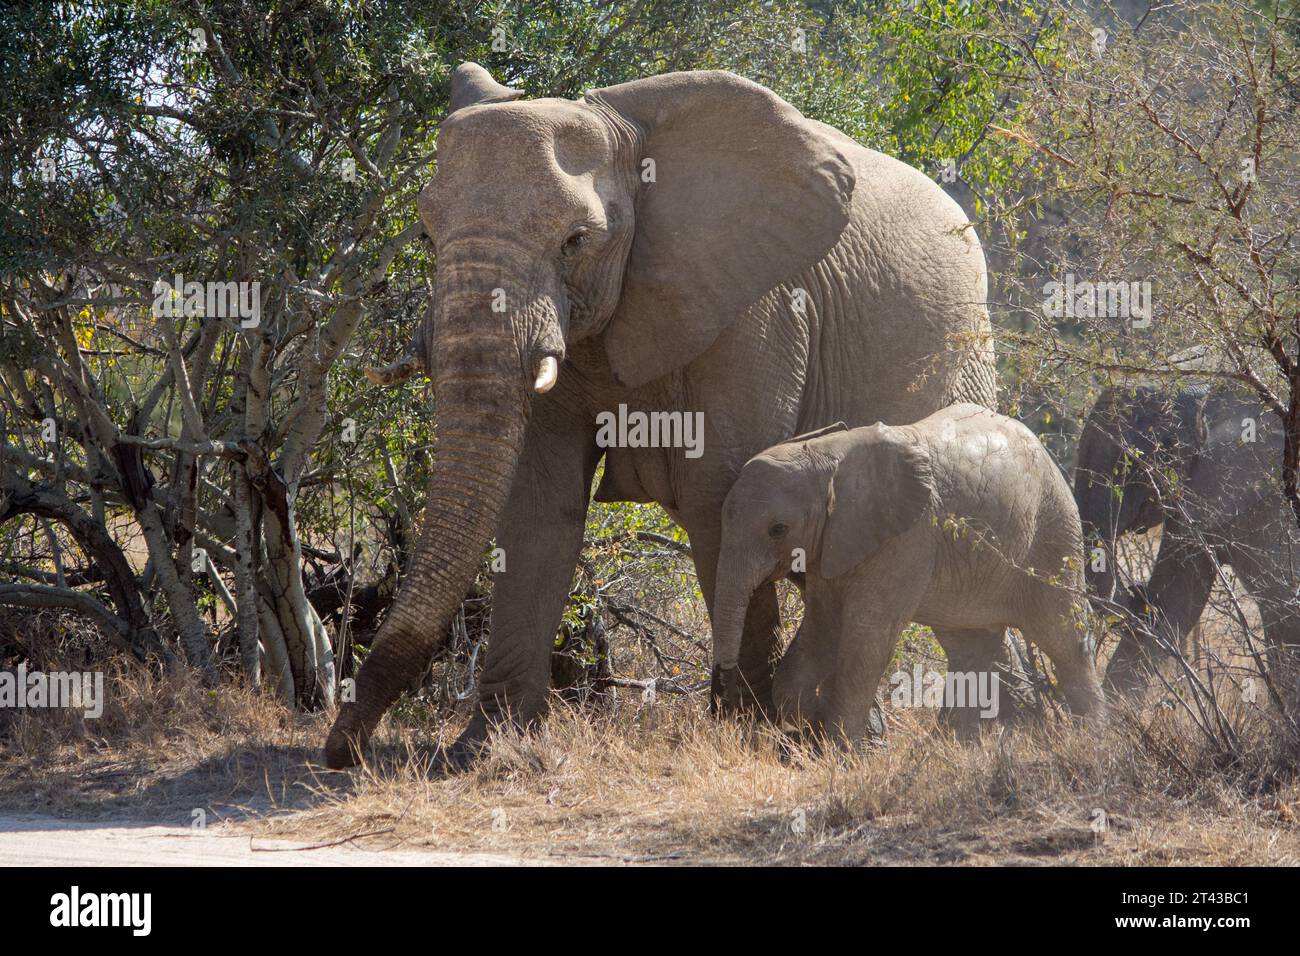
834 501
646 216
1138 446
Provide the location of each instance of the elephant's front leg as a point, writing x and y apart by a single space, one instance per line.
540 535
847 704
1176 593
872 614
807 661
810 659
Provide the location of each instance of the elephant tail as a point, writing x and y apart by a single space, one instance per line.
976 380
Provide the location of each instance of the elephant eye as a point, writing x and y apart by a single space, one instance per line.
778 530
575 242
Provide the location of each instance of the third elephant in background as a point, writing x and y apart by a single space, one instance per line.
1203 464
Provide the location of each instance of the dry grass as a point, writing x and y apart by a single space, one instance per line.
667 785
664 784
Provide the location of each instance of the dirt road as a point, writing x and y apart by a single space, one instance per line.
46 841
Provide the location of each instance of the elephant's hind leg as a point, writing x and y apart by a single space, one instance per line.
972 654
1280 618
1058 628
1264 562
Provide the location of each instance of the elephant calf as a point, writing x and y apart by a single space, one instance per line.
960 521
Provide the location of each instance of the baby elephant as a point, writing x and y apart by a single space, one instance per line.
961 521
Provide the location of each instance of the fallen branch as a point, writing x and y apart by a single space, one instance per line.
316 846
661 685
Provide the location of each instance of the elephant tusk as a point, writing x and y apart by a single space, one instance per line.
399 371
548 373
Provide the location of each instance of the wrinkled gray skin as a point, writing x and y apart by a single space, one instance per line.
1215 496
866 509
672 294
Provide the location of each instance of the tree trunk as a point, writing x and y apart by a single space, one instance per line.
246 552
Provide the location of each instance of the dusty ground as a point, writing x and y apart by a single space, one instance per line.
660 785
47 841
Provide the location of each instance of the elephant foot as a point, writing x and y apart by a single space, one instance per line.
345 747
964 723
817 739
864 737
1135 665
740 693
1015 708
725 692
1126 679
469 748
458 758
798 741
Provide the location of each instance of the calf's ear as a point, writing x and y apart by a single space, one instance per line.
881 488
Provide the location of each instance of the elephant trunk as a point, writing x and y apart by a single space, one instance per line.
1093 493
731 601
735 587
1099 570
482 392
729 624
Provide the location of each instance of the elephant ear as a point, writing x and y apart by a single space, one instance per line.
746 195
881 488
472 85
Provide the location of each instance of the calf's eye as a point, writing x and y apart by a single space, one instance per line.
777 530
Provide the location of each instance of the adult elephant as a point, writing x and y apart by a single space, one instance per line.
1201 463
686 243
